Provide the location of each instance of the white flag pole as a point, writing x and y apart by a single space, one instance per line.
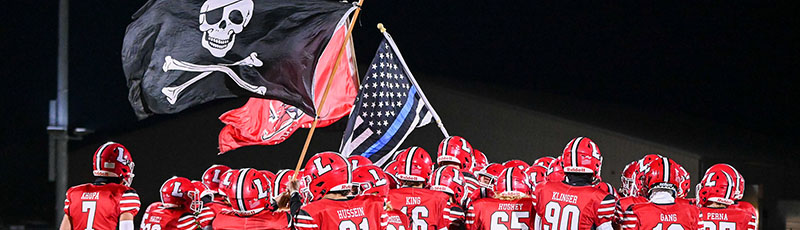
413 81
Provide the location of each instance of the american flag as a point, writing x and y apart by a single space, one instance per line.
387 109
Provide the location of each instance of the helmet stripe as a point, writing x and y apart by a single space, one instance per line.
666 169
439 175
738 179
409 157
509 173
277 184
574 151
239 189
730 185
99 154
444 146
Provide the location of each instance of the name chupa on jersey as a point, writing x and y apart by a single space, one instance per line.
679 215
562 206
99 206
491 213
157 217
726 218
426 208
359 213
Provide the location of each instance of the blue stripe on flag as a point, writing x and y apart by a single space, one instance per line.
401 117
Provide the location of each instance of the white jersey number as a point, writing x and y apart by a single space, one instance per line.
559 218
90 207
499 219
670 227
350 225
723 225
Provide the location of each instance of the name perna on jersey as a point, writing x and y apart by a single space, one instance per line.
361 212
427 209
157 217
726 218
491 213
562 206
99 206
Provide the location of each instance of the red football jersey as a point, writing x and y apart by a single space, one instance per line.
157 217
263 220
747 207
99 206
209 212
579 207
427 209
680 215
622 214
361 212
397 220
491 213
726 219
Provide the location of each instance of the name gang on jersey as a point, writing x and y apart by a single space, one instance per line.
669 217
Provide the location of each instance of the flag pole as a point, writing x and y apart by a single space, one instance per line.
413 81
327 88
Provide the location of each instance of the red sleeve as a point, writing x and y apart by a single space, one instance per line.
66 204
205 217
129 202
187 222
471 219
605 210
384 218
304 221
628 219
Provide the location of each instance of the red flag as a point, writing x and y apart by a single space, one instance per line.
270 122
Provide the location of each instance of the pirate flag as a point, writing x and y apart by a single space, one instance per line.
180 53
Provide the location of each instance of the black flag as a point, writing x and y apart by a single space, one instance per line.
180 53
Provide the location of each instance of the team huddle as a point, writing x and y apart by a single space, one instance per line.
460 190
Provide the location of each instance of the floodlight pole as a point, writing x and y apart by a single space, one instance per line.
59 119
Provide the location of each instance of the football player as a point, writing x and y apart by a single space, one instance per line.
248 193
512 208
180 201
555 172
521 165
660 181
329 181
488 175
211 178
716 195
544 161
575 203
448 179
369 180
109 202
536 174
456 151
633 191
426 208
358 160
220 199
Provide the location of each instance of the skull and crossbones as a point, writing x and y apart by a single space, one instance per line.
220 21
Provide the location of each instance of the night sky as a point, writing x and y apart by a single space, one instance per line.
734 65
